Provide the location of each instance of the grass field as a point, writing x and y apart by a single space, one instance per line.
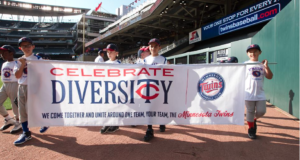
7 103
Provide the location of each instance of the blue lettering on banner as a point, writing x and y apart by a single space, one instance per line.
112 91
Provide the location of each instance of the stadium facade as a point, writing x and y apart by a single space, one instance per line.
208 31
53 36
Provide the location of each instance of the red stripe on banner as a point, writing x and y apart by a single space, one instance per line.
187 84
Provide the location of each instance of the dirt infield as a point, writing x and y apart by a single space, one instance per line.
278 138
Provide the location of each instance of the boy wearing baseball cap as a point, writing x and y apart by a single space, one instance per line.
255 99
142 54
100 58
9 89
112 53
154 59
20 71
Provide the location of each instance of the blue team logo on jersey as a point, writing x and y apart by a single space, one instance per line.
7 74
256 73
211 86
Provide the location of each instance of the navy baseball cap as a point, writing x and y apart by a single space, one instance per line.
24 39
112 47
154 40
8 48
253 46
141 50
232 60
101 51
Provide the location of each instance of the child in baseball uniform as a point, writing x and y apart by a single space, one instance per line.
20 71
142 54
255 99
112 53
9 89
154 59
100 57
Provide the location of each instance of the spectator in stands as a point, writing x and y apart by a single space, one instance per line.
100 58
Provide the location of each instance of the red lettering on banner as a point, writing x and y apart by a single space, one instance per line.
223 114
98 72
143 71
166 72
187 114
113 73
154 70
52 71
129 71
71 71
83 75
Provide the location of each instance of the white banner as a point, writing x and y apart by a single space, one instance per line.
91 94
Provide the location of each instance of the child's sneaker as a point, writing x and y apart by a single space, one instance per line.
23 138
251 133
7 124
43 129
113 129
104 129
17 128
162 128
149 135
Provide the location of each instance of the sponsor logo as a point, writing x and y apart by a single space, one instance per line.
195 35
211 86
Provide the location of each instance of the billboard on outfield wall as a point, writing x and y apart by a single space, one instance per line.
260 12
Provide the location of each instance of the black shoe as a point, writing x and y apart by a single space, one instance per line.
112 129
162 128
255 126
149 135
104 129
133 126
251 133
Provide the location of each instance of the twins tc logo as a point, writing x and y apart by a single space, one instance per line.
7 74
194 35
256 73
147 86
151 87
211 86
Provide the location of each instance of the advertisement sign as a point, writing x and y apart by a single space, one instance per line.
195 36
254 14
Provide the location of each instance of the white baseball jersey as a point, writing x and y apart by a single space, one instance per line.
23 79
254 82
155 60
113 62
139 61
99 59
7 72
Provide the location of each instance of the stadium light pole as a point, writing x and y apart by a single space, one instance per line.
83 42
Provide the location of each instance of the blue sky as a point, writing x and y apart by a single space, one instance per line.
108 6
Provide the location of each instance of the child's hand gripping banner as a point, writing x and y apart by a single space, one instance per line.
92 94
